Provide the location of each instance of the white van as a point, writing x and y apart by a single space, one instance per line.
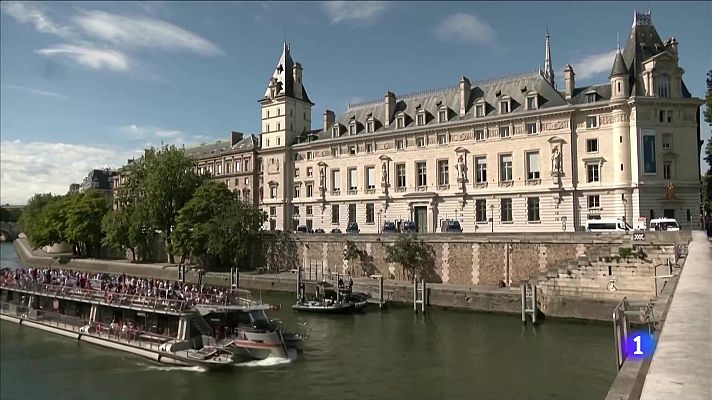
664 224
607 225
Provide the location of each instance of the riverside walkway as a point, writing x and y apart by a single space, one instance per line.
681 367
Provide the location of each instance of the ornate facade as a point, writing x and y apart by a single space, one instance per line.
508 154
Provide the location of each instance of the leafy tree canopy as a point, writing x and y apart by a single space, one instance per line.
416 257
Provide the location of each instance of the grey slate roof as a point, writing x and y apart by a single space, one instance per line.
284 75
619 67
222 147
579 96
516 87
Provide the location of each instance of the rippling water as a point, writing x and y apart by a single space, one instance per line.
376 355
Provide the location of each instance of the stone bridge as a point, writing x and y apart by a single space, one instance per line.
9 231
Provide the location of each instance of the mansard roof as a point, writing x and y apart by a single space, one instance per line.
222 147
619 67
516 87
579 96
283 76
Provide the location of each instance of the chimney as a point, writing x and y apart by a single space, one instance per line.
235 138
297 80
390 108
569 80
329 119
465 88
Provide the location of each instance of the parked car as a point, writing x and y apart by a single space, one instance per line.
409 227
606 225
664 224
302 229
319 230
336 230
453 227
352 228
389 227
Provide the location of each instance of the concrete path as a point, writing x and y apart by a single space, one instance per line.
681 367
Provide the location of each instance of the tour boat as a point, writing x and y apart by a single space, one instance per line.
329 300
211 335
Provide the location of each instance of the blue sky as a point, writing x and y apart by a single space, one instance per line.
85 85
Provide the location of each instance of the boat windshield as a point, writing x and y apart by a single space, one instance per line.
259 319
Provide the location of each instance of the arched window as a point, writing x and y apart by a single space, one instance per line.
664 85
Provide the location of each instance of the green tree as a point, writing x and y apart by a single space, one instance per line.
43 220
126 228
10 215
84 213
164 182
707 178
216 228
353 253
416 257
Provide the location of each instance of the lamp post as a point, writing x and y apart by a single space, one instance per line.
563 223
378 228
625 209
491 219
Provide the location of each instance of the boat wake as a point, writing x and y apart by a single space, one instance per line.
176 368
270 361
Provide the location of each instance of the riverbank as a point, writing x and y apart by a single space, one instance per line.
462 297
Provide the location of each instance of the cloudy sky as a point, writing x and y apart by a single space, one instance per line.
86 85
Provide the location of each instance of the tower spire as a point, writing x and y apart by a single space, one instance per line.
548 69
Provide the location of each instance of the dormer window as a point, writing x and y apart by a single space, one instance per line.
504 106
370 126
352 128
400 121
480 109
663 85
532 101
591 97
335 131
420 118
442 115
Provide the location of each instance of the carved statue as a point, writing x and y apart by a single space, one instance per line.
384 173
272 88
460 167
322 178
556 159
670 191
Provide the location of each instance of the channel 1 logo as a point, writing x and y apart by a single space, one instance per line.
640 344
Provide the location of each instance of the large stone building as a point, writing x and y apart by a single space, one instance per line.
514 153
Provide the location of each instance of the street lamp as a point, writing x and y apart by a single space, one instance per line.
563 223
491 219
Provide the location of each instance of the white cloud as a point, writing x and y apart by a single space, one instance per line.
40 167
89 57
155 135
38 92
142 32
594 64
463 27
365 12
27 13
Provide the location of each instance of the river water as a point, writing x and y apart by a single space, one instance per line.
377 355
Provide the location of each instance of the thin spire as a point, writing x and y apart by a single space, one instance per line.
548 69
618 39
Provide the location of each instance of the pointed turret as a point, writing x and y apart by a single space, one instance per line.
282 82
619 67
548 69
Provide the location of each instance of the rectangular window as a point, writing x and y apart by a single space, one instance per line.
273 211
592 145
667 170
400 144
590 97
533 165
335 131
353 180
400 122
227 167
237 165
533 209
532 128
335 151
296 172
335 180
296 157
297 191
504 131
506 210
594 201
400 175
442 138
296 211
592 173
247 181
370 177
334 213
353 150
649 161
310 190
369 147
505 167
667 141
442 116
421 119
591 121
352 129
352 213
531 103
504 107
669 213
246 164
481 210
369 213
481 169
272 192
310 155
309 210
421 167
369 126
310 172
420 142
480 134
480 110
663 82
443 172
